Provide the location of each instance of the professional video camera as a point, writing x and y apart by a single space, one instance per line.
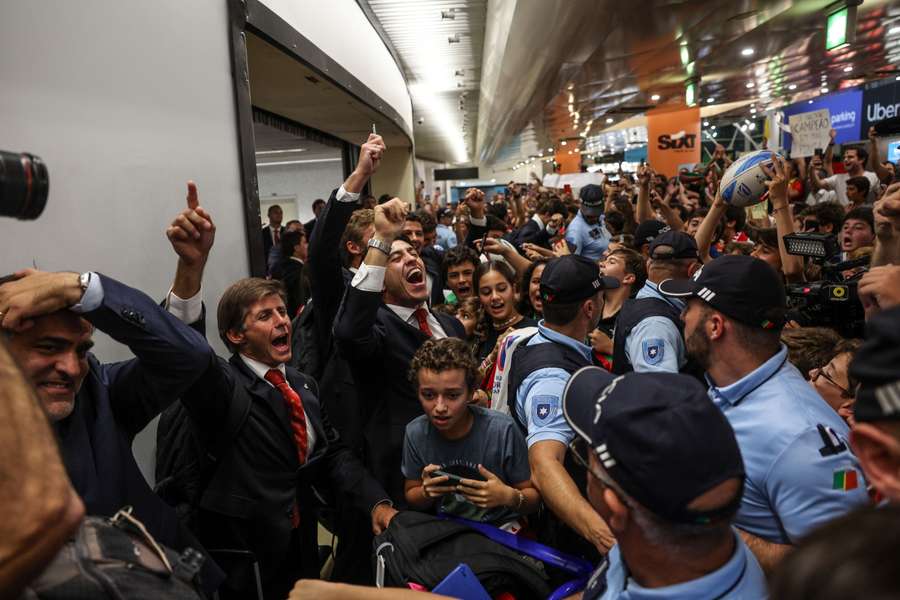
24 184
833 301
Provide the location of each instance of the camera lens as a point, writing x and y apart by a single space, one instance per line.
23 185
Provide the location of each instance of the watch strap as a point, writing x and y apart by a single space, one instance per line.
380 245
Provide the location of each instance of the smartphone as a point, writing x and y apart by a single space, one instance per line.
818 152
481 246
451 477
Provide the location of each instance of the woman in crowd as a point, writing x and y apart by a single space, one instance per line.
495 284
833 381
530 303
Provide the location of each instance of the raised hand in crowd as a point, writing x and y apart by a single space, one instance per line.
370 155
192 234
36 293
389 219
879 289
887 227
474 199
791 266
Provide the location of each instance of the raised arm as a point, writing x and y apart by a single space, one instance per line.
644 210
707 229
43 510
874 158
791 266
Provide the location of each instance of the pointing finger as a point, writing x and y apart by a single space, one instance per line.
193 200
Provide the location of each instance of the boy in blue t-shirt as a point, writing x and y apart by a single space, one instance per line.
482 447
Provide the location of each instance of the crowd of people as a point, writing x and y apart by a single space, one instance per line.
629 375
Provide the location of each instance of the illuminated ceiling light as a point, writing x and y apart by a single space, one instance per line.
751 126
563 143
710 100
750 84
453 39
655 97
810 102
753 111
570 152
793 86
848 69
706 123
824 90
609 120
549 149
571 86
443 118
747 52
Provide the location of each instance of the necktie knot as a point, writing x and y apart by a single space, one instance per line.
275 377
422 317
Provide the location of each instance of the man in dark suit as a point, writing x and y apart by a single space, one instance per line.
382 322
97 409
545 223
271 233
292 270
317 206
261 498
414 230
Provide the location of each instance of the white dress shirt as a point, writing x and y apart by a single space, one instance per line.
370 278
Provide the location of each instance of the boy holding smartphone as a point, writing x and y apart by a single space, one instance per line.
481 455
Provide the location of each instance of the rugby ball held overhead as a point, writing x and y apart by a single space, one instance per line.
745 181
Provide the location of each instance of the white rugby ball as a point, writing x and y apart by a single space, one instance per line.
745 181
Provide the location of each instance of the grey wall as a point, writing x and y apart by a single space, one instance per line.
125 101
305 181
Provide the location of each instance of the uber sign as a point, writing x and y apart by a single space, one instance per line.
665 142
881 100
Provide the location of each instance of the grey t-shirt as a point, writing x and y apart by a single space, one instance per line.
494 442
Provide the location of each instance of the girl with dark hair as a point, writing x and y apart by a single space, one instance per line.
495 284
530 303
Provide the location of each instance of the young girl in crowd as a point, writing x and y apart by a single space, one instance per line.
495 284
530 290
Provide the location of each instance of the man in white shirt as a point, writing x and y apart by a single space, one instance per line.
854 163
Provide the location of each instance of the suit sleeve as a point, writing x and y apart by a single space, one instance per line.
476 232
169 355
326 281
356 332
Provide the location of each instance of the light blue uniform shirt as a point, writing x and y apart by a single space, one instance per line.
796 456
741 577
656 344
590 241
446 239
539 397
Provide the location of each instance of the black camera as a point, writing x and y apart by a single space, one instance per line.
832 301
24 184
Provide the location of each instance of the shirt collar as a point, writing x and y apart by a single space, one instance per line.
404 312
261 369
555 336
719 584
732 394
299 260
651 290
537 220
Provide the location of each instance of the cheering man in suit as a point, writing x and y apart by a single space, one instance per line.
382 322
261 499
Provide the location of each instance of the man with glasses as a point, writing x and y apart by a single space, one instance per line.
800 471
666 473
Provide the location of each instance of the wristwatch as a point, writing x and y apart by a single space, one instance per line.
380 245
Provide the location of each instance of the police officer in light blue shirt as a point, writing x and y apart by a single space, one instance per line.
572 295
648 336
666 473
800 470
587 231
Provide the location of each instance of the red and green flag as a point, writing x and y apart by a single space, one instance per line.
845 480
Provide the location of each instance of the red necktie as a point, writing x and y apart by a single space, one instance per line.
422 317
277 235
295 405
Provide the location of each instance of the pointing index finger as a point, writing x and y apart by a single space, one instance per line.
193 200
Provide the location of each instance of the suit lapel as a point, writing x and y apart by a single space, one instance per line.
264 394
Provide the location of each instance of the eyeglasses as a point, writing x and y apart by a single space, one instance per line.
821 372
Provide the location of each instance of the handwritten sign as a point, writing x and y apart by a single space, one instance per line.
809 131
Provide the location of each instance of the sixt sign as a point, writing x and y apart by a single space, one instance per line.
676 142
881 100
845 109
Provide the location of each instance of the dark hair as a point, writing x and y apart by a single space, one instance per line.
849 346
550 206
810 347
317 202
626 239
848 557
615 222
444 355
236 301
736 214
525 307
829 212
415 217
273 207
459 255
292 222
429 223
496 210
290 239
861 153
861 213
384 198
861 183
495 223
500 266
635 265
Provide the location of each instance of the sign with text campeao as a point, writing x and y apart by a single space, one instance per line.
845 109
881 100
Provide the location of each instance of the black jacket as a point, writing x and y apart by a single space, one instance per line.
434 266
248 503
379 346
294 276
530 233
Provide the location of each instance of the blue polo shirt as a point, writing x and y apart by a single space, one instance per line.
656 344
539 397
800 472
741 577
589 240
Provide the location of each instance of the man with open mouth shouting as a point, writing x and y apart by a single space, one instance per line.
382 322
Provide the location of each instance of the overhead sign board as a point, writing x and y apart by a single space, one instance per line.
845 109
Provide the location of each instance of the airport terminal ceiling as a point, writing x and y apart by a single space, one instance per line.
568 68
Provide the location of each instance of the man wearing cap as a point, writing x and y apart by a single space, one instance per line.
587 231
645 233
648 334
800 471
876 437
669 499
572 294
446 238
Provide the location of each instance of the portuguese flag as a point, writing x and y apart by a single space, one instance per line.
845 480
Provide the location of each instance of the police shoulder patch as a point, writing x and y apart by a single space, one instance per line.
653 350
544 409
